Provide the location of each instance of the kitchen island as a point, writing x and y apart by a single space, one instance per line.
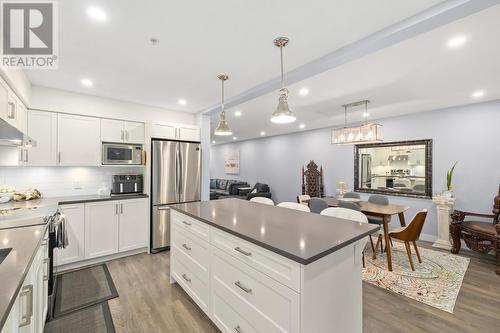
257 268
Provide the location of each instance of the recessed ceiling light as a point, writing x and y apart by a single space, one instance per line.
182 101
237 113
97 14
304 92
478 94
87 82
214 141
262 133
456 41
235 138
302 125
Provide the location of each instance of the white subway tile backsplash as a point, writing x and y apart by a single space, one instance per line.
62 181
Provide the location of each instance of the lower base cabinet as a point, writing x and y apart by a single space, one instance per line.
98 229
29 312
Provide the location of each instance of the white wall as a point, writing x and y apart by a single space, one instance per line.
64 101
468 134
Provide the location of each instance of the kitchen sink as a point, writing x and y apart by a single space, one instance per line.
4 253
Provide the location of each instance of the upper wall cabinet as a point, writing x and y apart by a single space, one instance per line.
175 132
42 127
122 131
78 140
12 109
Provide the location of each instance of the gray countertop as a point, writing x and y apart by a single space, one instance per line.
24 243
300 236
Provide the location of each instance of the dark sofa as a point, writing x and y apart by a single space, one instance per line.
225 187
259 189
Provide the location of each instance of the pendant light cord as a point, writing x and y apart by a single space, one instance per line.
282 81
222 104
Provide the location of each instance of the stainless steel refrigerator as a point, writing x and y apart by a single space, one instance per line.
175 178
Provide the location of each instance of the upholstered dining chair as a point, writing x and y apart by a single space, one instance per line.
294 205
352 195
349 214
263 200
302 198
349 205
317 205
378 200
411 233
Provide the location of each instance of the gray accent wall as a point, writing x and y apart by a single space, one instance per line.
468 134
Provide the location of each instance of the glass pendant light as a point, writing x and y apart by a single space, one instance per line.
223 128
283 114
367 133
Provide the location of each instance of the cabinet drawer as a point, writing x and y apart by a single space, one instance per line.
191 225
278 267
195 287
255 296
227 319
192 252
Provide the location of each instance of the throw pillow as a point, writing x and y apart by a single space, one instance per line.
213 184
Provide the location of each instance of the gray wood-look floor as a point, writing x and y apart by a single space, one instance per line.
148 303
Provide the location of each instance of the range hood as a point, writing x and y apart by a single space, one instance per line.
11 136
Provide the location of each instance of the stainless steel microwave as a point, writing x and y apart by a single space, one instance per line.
117 153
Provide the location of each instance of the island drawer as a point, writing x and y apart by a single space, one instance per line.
195 287
229 320
194 226
254 296
274 265
191 251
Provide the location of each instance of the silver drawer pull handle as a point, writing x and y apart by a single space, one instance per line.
46 261
187 223
186 247
242 287
242 251
185 277
27 311
238 329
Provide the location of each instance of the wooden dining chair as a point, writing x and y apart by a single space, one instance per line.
411 233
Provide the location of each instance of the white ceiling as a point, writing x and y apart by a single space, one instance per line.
200 39
419 74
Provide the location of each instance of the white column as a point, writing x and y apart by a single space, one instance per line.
444 205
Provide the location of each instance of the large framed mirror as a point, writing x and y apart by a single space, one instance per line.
394 168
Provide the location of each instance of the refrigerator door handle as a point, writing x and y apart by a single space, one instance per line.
180 174
177 172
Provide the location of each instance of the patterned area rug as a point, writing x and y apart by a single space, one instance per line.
435 282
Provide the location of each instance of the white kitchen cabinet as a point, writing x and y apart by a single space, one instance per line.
111 130
133 233
101 228
164 131
75 227
42 127
133 132
122 131
40 290
175 132
189 133
78 140
4 101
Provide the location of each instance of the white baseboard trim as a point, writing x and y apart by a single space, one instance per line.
428 238
94 261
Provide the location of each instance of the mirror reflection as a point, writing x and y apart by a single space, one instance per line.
394 168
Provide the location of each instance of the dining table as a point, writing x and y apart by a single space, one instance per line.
383 211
